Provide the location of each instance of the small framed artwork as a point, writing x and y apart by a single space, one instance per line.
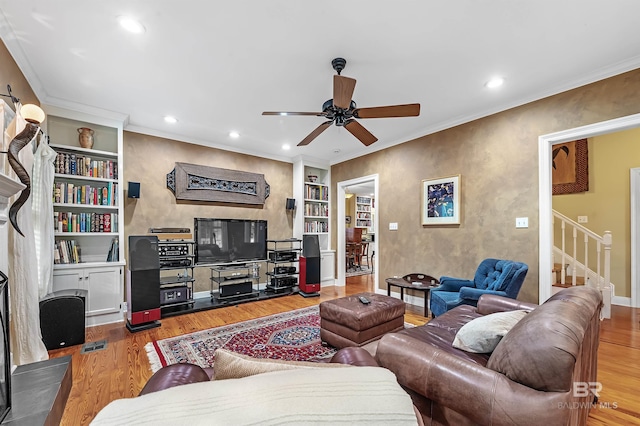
347 219
441 201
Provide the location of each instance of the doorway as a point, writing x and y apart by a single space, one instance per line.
343 188
545 144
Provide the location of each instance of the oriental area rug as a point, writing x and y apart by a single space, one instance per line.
293 335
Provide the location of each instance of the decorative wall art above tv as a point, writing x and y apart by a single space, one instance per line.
203 183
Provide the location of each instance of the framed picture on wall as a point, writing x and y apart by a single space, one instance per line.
441 201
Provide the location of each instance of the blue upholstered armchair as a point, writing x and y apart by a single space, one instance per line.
493 276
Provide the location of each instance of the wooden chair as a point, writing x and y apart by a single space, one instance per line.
353 247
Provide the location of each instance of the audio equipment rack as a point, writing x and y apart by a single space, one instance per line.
176 273
282 265
230 282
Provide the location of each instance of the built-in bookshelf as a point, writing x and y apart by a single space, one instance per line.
87 210
364 218
311 189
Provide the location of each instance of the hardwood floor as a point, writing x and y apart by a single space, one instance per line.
121 370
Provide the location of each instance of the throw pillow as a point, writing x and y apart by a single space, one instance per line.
230 365
483 334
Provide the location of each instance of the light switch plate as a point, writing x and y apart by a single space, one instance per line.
393 226
583 219
522 222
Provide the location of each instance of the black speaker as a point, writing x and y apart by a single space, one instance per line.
62 318
144 293
291 204
143 253
310 266
133 190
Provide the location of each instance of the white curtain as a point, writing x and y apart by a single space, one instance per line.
42 212
26 337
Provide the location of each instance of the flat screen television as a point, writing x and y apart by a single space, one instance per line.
229 240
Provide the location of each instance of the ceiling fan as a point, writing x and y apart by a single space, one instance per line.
342 110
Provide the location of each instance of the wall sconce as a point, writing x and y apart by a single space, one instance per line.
32 113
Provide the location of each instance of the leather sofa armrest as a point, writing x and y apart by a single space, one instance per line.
453 284
175 375
489 304
478 393
354 355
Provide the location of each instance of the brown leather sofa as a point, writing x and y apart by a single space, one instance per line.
527 380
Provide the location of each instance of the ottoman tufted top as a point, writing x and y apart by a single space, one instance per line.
351 313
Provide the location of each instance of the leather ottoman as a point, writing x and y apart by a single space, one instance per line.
348 322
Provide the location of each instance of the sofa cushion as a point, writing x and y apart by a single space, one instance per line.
541 350
230 365
483 334
441 331
351 395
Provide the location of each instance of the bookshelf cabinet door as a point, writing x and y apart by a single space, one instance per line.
105 290
69 279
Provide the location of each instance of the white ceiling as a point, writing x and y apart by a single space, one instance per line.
217 65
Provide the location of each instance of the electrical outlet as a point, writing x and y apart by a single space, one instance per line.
123 307
522 222
393 226
583 219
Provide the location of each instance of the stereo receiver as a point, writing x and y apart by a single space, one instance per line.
278 270
170 263
282 256
173 250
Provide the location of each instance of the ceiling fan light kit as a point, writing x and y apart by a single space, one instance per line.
342 110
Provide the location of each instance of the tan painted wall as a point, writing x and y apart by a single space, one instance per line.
350 210
607 204
148 159
497 157
11 74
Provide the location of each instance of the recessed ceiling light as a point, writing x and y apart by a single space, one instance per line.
170 119
131 25
283 113
494 82
286 147
234 135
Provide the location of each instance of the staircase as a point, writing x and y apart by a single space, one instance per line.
579 249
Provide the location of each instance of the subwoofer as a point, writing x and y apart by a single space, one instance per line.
62 318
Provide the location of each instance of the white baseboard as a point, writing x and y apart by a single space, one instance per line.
621 301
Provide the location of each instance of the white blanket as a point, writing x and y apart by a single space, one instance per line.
353 396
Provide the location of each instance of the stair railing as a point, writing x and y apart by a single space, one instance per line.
602 274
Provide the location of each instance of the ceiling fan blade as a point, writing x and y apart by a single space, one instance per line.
317 114
357 130
408 110
321 128
343 88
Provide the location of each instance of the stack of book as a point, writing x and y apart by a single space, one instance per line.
66 251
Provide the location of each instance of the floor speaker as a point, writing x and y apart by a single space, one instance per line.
62 318
309 284
143 283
